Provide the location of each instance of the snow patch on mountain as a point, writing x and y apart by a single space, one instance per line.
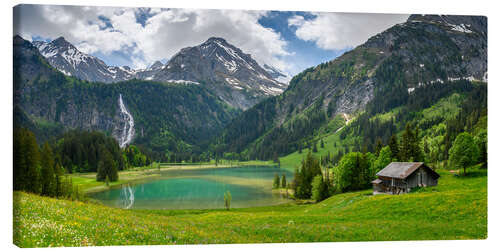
460 28
182 81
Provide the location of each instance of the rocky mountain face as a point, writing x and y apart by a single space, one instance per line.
30 96
385 70
217 65
160 116
233 75
65 57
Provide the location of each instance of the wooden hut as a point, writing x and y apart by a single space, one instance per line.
401 177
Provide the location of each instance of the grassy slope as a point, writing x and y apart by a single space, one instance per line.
455 209
447 107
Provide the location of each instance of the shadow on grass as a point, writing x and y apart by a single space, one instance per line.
473 174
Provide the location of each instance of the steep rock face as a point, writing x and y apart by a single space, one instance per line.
221 67
424 50
40 94
161 116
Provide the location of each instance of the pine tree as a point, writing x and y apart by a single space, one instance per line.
107 168
378 146
407 144
47 173
417 154
101 171
92 157
32 158
316 188
283 181
19 160
59 174
276 182
303 178
315 148
322 143
394 146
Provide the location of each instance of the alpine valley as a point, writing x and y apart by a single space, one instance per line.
175 107
387 141
215 99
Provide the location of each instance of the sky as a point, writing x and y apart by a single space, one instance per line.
136 37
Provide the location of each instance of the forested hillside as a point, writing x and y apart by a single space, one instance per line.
411 65
169 117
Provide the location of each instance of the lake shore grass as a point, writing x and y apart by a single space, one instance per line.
87 182
455 209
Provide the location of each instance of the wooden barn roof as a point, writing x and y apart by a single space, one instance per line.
401 170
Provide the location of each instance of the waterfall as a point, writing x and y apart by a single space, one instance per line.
127 194
128 127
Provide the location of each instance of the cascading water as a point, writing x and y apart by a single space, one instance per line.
128 127
127 196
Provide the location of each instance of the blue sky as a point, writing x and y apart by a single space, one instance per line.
136 37
305 53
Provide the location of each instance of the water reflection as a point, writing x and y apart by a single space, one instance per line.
199 189
127 196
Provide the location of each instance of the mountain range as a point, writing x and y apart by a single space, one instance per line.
160 117
219 66
214 97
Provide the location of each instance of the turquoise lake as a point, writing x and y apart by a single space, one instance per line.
250 186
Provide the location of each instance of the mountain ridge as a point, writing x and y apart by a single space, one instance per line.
229 72
225 69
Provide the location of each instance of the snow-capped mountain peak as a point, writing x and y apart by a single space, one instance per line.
156 66
216 64
224 68
65 57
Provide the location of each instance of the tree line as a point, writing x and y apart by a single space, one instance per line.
36 170
355 170
43 170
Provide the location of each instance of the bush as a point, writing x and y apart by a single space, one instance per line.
464 152
283 181
353 172
276 182
227 199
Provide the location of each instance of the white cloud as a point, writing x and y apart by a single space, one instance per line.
163 34
334 31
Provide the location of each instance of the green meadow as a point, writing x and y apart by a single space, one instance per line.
455 209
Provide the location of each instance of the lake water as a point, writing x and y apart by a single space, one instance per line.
250 186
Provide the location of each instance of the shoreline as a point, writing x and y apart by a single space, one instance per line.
88 184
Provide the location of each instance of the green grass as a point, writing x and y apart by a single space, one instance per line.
332 144
455 209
